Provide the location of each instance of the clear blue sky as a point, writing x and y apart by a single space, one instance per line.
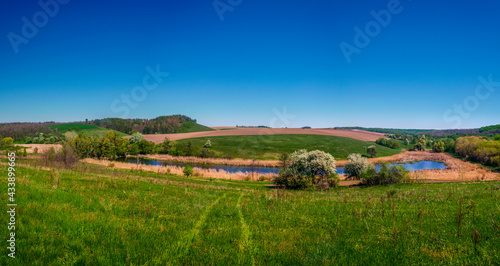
263 57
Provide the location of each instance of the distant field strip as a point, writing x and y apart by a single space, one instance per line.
354 134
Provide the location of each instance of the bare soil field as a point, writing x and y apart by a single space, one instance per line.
354 134
40 147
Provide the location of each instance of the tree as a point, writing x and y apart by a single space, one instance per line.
372 151
420 144
438 146
208 144
8 141
188 170
305 169
146 147
356 166
136 138
25 153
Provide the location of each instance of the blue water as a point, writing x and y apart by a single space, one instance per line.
422 165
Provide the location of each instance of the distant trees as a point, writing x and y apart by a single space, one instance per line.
18 131
479 150
356 166
391 143
303 169
161 124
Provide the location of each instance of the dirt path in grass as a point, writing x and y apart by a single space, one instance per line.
226 131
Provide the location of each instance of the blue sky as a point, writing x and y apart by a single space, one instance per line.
262 59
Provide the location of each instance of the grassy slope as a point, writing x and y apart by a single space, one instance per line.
194 127
122 217
89 130
270 147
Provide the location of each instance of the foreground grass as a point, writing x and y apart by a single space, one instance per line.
270 147
101 216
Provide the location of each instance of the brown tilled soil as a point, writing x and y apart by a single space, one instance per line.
355 134
40 147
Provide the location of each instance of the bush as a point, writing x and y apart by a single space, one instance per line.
8 141
262 178
356 166
188 170
136 138
381 141
305 169
66 156
386 175
208 144
438 147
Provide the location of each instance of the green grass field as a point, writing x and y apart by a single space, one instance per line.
104 216
194 127
72 126
89 130
270 147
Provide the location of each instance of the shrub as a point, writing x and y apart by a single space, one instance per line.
262 178
66 156
381 141
305 169
386 175
438 147
111 165
188 170
208 144
372 151
248 178
8 141
393 144
356 166
136 138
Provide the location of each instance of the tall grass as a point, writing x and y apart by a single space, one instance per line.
98 215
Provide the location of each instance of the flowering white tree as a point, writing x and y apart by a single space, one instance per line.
356 165
305 169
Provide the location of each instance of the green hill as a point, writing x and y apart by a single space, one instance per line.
89 130
158 125
270 147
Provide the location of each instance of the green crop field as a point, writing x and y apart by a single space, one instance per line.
188 127
270 147
72 126
104 216
89 130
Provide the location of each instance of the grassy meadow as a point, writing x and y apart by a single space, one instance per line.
270 147
96 215
89 130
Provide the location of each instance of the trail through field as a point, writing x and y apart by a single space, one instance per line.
184 244
219 234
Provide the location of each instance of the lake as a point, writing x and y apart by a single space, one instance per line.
415 166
